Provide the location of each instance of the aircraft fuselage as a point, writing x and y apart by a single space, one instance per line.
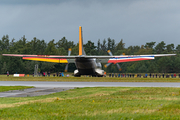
87 66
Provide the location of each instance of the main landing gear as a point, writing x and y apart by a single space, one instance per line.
77 75
89 76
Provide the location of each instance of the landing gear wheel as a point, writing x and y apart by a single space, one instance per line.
93 75
100 75
77 76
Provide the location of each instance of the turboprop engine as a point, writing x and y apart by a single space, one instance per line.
99 70
76 73
98 65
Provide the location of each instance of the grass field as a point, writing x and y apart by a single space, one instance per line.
7 88
87 79
96 103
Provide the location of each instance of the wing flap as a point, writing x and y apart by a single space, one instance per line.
54 60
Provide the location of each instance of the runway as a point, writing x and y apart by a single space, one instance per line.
44 88
88 84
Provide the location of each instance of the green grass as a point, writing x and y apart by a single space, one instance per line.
87 79
7 88
96 103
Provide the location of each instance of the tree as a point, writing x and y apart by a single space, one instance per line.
176 63
113 45
143 69
4 43
46 67
62 51
170 48
132 49
19 47
149 45
98 46
160 47
152 67
90 48
178 49
131 69
40 47
75 50
120 46
64 43
165 64
15 65
29 66
4 68
143 51
109 44
51 49
103 48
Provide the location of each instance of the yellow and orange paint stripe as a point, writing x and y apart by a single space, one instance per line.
54 60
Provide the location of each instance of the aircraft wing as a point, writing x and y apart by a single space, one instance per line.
102 59
128 58
45 58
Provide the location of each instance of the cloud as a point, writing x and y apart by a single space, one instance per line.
30 2
136 22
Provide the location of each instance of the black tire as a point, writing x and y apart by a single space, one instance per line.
77 76
100 75
93 75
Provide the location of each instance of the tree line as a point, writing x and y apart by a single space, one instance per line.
40 47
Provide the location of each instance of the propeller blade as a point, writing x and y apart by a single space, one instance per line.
69 53
66 68
106 65
118 66
110 53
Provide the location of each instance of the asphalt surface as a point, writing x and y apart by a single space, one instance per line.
44 88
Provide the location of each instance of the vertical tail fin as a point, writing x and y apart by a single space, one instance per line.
81 49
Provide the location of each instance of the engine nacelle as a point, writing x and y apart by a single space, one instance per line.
98 65
100 72
76 72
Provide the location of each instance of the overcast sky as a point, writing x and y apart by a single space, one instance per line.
134 21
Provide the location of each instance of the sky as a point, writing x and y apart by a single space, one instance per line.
135 21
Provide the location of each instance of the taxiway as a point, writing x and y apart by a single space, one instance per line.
43 88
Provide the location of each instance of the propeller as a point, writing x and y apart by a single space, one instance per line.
66 67
118 66
106 65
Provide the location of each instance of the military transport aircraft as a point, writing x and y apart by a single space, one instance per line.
88 65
